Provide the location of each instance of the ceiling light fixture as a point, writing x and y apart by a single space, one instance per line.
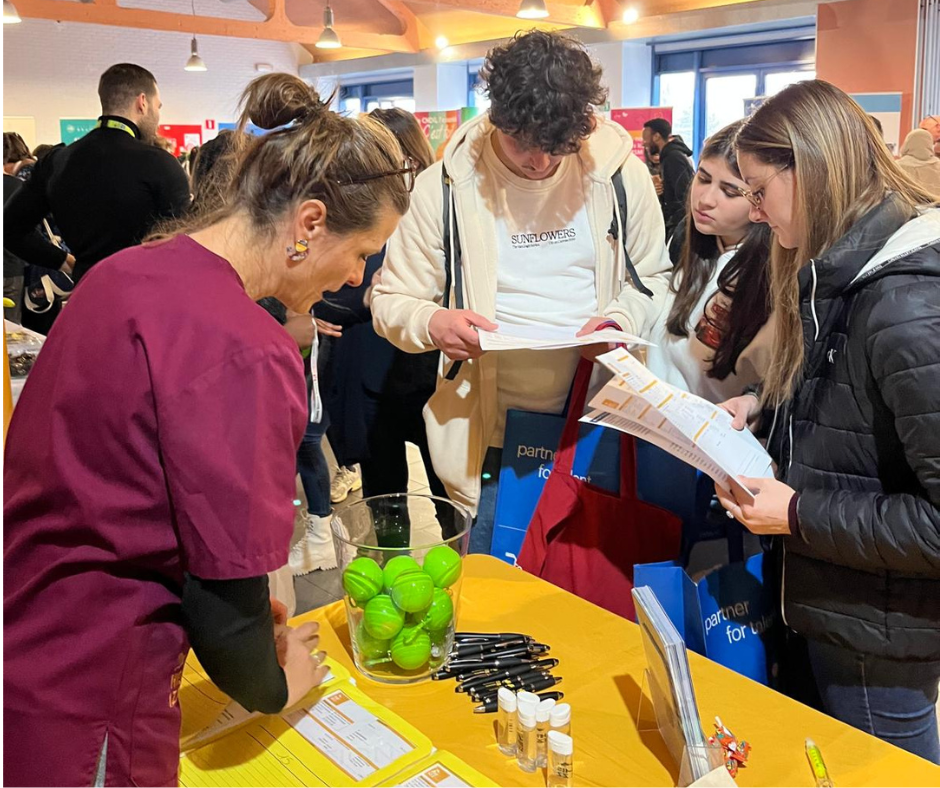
10 16
195 62
328 38
532 9
441 42
630 15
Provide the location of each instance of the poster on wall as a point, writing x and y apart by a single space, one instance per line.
71 129
185 137
887 108
439 126
632 119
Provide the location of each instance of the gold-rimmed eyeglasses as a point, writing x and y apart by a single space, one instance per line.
408 172
756 197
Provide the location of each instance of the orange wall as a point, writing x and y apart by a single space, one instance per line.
869 46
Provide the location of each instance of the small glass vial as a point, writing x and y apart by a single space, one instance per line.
506 723
560 760
561 719
526 745
542 716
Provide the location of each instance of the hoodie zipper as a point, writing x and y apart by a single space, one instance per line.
812 303
783 542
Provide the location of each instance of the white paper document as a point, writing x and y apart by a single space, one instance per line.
551 338
637 402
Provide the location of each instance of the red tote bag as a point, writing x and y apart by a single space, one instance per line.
586 540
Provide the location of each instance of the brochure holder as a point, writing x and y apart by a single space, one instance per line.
695 763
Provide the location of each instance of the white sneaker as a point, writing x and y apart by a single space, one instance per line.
347 480
315 550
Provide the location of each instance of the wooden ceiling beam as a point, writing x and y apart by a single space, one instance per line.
574 15
277 27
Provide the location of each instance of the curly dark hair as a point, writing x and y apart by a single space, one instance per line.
543 88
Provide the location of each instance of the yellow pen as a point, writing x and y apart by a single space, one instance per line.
818 765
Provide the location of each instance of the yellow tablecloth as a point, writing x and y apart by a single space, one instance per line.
602 663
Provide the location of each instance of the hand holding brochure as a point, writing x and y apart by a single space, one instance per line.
637 402
551 338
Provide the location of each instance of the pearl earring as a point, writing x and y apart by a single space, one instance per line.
299 250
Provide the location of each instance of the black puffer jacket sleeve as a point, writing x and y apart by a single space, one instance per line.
900 532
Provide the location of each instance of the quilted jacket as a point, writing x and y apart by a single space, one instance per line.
860 441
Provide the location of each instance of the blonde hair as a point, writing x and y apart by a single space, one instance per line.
842 169
311 153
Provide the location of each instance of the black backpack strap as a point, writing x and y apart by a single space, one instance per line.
453 273
618 229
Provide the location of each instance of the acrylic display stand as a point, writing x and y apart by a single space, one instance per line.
698 766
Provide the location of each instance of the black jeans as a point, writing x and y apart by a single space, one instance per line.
394 420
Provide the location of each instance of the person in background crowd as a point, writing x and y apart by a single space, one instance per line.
163 143
932 124
161 536
534 205
675 170
40 151
44 264
111 187
919 162
713 338
855 388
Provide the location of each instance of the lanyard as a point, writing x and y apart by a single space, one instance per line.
116 124
316 404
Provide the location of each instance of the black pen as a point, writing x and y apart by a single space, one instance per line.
514 683
491 703
545 664
543 683
491 660
465 672
472 649
497 681
483 636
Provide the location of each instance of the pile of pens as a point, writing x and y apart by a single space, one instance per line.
482 663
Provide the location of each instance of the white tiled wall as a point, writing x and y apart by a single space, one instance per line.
51 70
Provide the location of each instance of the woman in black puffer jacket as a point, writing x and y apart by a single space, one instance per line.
854 388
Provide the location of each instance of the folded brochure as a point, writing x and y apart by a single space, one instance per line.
552 338
696 431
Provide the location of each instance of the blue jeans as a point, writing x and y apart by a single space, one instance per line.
895 701
313 469
481 535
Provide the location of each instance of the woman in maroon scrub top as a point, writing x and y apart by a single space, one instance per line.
149 473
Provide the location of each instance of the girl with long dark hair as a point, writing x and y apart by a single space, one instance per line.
713 337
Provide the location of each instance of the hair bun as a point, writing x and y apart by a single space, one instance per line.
274 100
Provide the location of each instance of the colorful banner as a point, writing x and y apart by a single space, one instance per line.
185 137
439 127
71 129
632 120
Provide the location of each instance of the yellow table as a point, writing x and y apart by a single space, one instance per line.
602 663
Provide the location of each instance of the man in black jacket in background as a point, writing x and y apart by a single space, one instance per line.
675 167
108 189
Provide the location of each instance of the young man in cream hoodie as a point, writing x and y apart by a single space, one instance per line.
534 208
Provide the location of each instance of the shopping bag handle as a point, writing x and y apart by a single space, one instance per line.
564 458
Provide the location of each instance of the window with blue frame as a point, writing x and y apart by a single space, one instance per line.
476 97
366 97
707 87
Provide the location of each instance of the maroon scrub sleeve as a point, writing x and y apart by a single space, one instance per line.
229 444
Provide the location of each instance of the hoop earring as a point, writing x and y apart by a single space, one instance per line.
298 251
